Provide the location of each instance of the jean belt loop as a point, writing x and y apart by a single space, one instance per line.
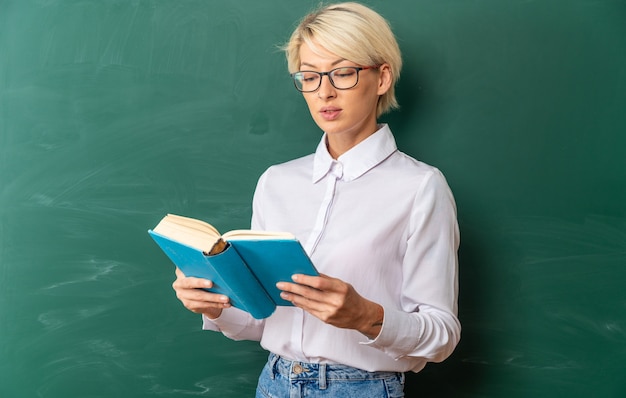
273 360
322 376
402 378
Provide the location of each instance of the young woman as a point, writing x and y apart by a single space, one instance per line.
379 225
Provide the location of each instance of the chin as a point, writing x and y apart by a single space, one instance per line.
330 127
333 130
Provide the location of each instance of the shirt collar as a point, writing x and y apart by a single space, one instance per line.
358 160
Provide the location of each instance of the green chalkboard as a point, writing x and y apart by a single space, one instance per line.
115 112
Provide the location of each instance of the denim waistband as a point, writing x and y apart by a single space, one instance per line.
296 370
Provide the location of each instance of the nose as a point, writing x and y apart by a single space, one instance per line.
326 90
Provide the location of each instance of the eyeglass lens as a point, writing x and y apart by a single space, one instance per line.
341 78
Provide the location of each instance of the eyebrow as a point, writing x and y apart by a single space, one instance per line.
332 64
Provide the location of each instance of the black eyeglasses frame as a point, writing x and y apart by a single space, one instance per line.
330 77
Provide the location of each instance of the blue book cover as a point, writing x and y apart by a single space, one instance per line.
246 271
273 261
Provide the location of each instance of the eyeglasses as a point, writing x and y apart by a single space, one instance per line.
343 78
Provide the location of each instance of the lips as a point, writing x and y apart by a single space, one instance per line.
330 112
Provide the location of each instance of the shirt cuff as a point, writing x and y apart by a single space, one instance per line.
231 320
397 336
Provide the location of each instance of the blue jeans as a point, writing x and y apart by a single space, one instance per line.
282 378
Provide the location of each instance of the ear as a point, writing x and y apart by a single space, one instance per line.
385 78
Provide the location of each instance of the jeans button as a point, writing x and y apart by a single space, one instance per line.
297 369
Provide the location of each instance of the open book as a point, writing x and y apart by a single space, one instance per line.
244 265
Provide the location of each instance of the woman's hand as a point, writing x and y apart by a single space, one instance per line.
189 292
334 302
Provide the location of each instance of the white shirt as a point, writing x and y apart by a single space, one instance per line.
381 221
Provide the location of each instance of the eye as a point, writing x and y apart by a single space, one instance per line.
308 77
344 73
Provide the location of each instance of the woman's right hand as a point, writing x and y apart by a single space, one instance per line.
189 292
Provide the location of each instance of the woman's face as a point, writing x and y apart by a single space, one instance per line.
346 116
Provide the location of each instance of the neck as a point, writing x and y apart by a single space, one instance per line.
338 144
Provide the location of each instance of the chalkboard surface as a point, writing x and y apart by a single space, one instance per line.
115 112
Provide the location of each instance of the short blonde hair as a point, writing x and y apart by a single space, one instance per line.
353 32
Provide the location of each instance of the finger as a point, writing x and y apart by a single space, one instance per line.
306 303
294 288
321 282
195 299
203 306
201 295
192 283
301 295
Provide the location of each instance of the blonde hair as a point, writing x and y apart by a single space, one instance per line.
353 32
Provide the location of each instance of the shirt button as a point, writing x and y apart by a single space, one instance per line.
297 369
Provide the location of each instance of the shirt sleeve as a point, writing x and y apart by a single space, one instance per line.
427 326
235 324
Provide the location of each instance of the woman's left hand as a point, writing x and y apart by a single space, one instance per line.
335 302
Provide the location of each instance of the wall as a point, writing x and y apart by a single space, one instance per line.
113 113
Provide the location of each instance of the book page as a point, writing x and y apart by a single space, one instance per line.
194 233
241 234
192 223
203 236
